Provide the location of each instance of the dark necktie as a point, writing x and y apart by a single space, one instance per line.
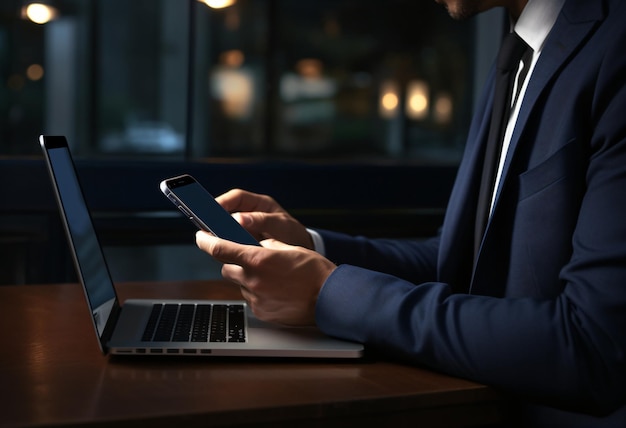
511 52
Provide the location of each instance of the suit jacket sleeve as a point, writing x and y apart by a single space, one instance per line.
409 259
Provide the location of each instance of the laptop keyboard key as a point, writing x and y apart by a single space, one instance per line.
182 330
196 323
166 323
236 323
218 323
200 331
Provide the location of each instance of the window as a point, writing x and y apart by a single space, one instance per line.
260 78
331 106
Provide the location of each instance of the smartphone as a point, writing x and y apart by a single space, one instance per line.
199 206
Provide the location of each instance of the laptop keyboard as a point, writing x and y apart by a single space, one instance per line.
196 323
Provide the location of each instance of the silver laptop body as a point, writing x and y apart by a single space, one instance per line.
167 327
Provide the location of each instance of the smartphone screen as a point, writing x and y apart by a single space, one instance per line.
197 204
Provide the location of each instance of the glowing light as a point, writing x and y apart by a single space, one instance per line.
218 4
417 100
234 88
39 13
310 68
443 108
34 72
389 100
232 58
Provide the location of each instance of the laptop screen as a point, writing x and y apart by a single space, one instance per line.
88 256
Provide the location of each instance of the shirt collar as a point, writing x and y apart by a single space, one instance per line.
536 22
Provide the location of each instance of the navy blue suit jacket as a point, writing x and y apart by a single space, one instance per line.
542 313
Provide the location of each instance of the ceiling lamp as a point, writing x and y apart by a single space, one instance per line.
39 12
218 4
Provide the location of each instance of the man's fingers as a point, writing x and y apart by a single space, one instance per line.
257 223
223 250
275 244
241 200
243 219
233 200
264 225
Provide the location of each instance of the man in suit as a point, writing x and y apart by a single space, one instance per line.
535 307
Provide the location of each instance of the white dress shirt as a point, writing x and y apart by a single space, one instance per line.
533 26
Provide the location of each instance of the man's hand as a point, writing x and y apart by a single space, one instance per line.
280 282
264 218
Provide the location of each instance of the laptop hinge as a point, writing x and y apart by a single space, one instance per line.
110 326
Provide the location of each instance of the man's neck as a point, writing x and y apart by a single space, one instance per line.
515 8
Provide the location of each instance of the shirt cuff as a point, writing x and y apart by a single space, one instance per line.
318 242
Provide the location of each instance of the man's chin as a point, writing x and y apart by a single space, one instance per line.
458 11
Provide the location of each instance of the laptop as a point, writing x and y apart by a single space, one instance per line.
167 327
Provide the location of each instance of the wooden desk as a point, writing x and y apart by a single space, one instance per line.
52 373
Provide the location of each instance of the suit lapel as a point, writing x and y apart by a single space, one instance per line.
568 33
457 236
574 24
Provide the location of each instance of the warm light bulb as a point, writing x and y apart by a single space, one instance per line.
443 108
417 100
40 13
389 100
34 72
232 58
310 68
218 4
419 103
